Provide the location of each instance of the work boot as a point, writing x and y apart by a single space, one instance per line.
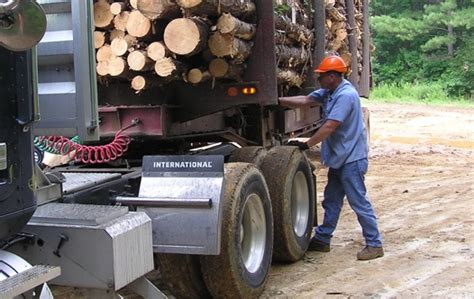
318 245
370 253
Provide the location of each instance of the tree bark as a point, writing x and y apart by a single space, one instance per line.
225 45
138 61
289 77
169 68
228 24
157 50
159 9
354 74
295 31
291 56
238 8
186 36
102 15
138 25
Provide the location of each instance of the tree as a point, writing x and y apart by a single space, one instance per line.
423 40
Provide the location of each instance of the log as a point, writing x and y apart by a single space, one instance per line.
220 68
120 21
291 56
138 61
116 34
157 50
159 9
289 77
120 45
102 15
138 25
133 4
282 39
228 24
295 31
240 8
99 39
141 82
169 68
104 53
138 83
117 7
118 67
102 68
186 36
226 45
197 75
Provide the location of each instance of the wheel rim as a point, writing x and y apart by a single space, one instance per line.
253 232
300 204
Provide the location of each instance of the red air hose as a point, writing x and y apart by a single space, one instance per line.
91 154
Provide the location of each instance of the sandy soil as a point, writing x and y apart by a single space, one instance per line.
421 182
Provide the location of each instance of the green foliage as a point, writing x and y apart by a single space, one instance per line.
282 9
426 93
424 41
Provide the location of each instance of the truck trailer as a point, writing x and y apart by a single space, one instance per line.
187 181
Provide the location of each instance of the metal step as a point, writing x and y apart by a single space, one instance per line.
76 181
27 280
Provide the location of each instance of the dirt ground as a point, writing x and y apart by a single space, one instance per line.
421 182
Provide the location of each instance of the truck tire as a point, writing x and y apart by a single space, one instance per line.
292 191
181 273
249 154
241 269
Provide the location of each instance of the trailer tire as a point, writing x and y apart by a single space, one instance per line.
241 269
292 191
181 273
249 154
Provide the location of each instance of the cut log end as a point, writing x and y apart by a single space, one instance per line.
218 67
117 7
117 67
156 50
102 15
196 76
99 39
138 83
165 67
137 24
139 61
186 36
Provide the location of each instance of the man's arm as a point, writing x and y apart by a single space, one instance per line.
324 132
297 101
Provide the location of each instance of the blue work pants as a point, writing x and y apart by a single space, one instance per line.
348 181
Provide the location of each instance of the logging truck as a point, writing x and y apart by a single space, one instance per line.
164 116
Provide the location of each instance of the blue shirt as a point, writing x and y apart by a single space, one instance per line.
348 142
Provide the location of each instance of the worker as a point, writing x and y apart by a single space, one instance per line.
344 150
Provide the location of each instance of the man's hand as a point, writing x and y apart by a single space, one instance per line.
302 145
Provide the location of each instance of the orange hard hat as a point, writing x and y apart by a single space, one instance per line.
332 63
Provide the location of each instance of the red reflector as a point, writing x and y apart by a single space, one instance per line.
232 91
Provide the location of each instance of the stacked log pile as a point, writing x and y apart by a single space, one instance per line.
154 42
344 23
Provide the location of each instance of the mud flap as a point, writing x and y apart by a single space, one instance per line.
182 196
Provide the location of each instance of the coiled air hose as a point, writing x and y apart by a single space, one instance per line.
88 154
